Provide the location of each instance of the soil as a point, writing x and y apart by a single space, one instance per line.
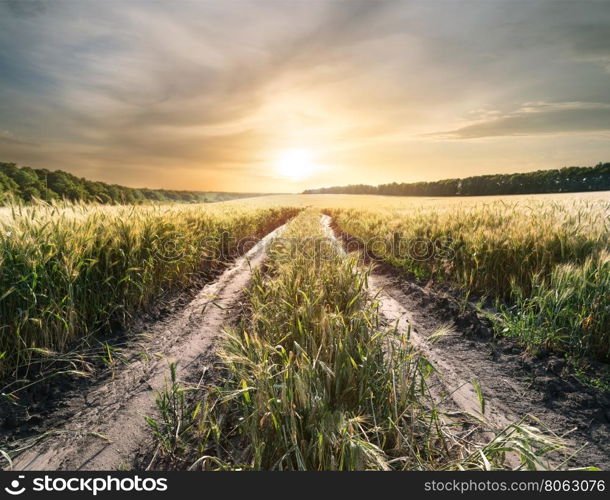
40 404
101 426
514 384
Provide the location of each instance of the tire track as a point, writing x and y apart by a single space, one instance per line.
109 431
462 391
456 378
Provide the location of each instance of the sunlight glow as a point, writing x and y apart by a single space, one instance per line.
295 164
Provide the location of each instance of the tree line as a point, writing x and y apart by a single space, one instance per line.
564 180
27 184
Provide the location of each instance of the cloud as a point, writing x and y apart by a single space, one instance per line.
539 118
8 138
117 91
25 8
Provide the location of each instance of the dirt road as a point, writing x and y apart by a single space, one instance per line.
513 384
109 430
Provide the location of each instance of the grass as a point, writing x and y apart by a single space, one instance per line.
567 311
314 382
68 272
544 261
176 418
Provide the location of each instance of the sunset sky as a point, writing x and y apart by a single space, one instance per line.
280 96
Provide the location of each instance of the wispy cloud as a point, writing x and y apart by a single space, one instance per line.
539 118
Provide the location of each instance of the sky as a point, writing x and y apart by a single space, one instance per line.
281 96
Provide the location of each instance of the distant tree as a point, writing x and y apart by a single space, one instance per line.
64 186
8 187
26 183
568 179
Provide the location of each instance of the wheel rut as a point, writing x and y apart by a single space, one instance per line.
109 431
469 362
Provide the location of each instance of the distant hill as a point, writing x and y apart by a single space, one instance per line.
564 180
27 183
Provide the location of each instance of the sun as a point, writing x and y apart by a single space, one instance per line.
295 164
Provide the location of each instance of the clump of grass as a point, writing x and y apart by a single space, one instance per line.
315 383
176 418
568 311
67 272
